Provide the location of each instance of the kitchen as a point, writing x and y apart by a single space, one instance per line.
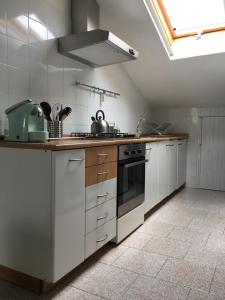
51 192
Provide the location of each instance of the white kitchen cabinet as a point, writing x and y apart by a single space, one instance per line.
163 160
100 215
165 171
151 176
68 210
171 153
181 162
99 237
42 211
101 192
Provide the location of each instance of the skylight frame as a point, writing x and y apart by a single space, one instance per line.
168 27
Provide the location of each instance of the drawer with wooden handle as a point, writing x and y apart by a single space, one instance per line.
100 155
96 174
99 237
100 215
101 192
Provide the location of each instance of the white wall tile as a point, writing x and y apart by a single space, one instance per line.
38 10
3 16
21 6
17 25
30 66
3 49
18 61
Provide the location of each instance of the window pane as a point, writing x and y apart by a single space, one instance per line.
193 15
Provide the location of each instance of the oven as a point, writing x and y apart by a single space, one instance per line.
131 178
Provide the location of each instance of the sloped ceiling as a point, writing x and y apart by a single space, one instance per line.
198 81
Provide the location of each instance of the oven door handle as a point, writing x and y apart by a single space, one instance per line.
136 163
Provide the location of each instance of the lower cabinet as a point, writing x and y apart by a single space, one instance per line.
171 164
151 176
163 167
181 162
99 237
42 211
101 192
165 171
100 215
68 211
100 199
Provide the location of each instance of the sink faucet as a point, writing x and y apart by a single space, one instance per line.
139 129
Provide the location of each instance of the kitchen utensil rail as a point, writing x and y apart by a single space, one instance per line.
99 90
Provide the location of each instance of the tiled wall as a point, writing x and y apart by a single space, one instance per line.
189 120
31 67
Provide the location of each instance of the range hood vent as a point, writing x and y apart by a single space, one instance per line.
93 47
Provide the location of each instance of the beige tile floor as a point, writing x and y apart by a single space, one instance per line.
179 253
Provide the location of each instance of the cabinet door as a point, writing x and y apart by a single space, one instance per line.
171 151
181 163
163 170
69 210
151 176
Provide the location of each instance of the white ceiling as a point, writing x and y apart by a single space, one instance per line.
198 81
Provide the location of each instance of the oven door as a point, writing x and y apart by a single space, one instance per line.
131 185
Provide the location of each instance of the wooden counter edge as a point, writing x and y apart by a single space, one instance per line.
82 144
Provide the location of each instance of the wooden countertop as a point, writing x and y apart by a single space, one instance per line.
76 143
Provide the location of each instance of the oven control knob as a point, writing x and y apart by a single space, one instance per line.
134 151
127 152
139 151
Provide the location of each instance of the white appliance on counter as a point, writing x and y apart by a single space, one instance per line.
130 189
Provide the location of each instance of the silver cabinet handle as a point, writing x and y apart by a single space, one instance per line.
103 196
179 144
102 239
149 149
102 217
102 154
133 164
75 159
169 145
103 173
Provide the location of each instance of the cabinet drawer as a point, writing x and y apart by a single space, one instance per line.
96 174
100 155
98 238
100 215
101 192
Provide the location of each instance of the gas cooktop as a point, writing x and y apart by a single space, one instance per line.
88 135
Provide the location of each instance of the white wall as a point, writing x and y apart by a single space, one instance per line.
31 67
188 120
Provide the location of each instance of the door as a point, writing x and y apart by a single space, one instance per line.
212 162
151 176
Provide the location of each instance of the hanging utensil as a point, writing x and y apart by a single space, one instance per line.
55 111
64 113
46 110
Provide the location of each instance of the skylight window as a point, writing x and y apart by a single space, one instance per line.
191 17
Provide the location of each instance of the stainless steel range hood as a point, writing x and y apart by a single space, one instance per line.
90 45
